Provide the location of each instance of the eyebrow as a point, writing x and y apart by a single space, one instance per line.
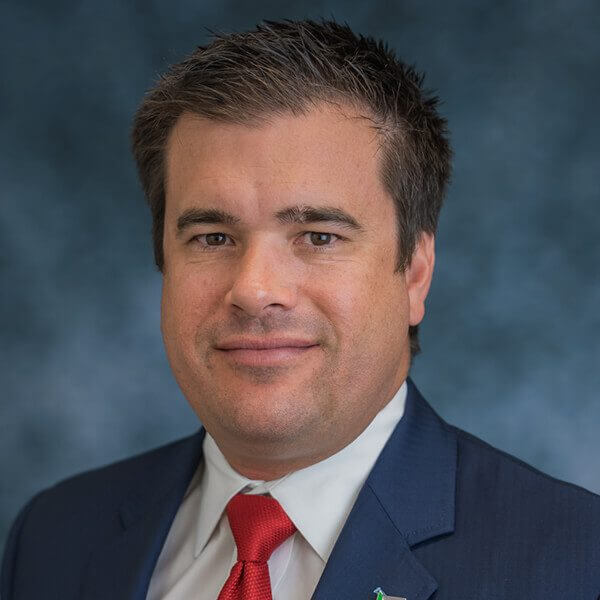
293 214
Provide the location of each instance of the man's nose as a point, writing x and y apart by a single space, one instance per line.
262 278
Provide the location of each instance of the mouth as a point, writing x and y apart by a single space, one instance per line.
266 357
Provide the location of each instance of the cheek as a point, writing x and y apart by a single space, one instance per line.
187 299
344 301
369 311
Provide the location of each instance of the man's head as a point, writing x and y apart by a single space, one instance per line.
286 68
233 146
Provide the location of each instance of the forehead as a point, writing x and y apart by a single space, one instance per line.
328 156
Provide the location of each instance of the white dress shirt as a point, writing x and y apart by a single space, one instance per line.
200 551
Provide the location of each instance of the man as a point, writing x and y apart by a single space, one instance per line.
295 175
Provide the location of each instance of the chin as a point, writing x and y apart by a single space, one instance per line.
271 425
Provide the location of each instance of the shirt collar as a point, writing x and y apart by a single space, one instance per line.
332 485
218 484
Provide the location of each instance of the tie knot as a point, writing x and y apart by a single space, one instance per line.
259 525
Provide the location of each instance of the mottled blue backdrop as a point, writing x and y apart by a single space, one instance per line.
512 336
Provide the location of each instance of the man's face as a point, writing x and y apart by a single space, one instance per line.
266 274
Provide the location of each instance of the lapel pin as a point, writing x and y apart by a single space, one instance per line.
381 595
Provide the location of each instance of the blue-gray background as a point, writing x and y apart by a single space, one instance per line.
512 336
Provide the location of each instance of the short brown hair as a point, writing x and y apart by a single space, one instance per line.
288 67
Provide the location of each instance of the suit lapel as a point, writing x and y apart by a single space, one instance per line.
370 553
121 568
408 498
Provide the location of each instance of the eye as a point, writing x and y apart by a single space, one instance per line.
321 240
215 239
207 241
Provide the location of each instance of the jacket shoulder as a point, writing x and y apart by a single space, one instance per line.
104 486
492 465
518 532
62 524
549 527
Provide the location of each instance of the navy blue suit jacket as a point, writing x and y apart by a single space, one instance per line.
442 516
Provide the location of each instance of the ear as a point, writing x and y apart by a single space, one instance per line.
418 277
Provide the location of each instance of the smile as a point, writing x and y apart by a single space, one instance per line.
266 356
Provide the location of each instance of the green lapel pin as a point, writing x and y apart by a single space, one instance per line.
381 595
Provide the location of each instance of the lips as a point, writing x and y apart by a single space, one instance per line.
264 344
266 352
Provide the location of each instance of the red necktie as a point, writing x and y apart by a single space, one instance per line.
259 525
